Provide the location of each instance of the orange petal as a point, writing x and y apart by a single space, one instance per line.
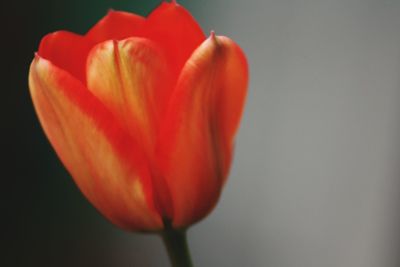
103 160
116 25
67 51
195 146
129 77
174 29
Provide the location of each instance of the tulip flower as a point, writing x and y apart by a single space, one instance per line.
143 114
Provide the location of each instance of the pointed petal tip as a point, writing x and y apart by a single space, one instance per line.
168 5
213 36
39 62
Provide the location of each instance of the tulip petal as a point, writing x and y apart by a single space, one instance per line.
174 29
129 77
104 161
196 140
115 25
67 51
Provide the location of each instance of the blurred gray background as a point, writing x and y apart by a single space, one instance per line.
315 180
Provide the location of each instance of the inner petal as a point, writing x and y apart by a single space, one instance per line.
174 29
116 25
130 77
67 51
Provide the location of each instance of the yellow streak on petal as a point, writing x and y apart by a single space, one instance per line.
128 76
138 193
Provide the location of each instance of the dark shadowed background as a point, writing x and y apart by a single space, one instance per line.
315 182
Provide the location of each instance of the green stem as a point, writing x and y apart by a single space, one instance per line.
176 243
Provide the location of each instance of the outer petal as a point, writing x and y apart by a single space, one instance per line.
101 157
130 78
175 30
67 51
115 25
197 138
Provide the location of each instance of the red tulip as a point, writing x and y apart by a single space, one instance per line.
143 113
